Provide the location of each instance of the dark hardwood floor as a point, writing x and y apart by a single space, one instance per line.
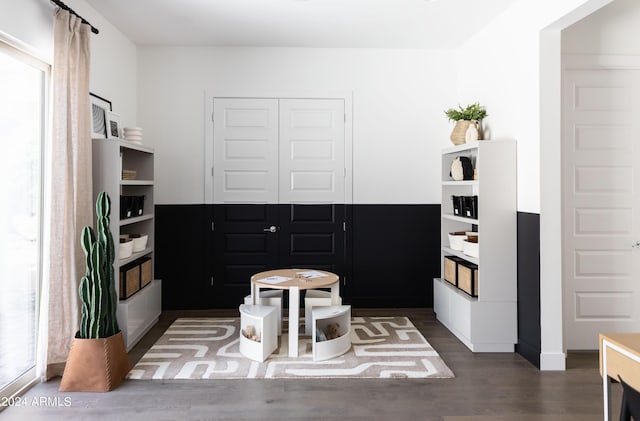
486 387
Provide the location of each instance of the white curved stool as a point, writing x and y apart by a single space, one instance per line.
272 298
324 348
263 320
315 298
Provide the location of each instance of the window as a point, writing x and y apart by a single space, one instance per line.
23 81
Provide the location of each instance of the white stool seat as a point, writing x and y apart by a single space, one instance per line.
272 298
315 298
261 321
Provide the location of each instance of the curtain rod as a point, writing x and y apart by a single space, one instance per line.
70 10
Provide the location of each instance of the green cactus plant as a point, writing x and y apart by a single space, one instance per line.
97 287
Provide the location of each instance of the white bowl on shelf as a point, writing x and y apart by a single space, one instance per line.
126 248
139 241
470 249
455 240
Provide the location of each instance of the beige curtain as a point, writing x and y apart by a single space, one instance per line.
70 196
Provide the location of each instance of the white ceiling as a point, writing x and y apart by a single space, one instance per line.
431 24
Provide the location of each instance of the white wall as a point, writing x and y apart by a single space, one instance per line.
500 67
113 63
513 66
30 22
612 30
398 100
113 56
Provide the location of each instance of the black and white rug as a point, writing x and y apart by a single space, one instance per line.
207 348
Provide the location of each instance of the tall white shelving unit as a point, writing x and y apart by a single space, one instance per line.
488 322
138 313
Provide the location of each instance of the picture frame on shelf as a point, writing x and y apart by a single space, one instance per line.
99 107
113 125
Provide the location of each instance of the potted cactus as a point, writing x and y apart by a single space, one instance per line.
98 360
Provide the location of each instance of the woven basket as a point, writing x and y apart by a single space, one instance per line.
459 131
129 174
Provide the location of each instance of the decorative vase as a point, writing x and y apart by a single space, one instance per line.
472 134
458 135
95 365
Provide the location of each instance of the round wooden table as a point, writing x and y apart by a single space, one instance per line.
294 280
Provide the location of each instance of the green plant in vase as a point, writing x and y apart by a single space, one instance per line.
471 115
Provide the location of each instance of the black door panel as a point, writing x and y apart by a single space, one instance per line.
304 236
312 236
243 245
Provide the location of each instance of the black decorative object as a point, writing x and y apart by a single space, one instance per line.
458 205
470 207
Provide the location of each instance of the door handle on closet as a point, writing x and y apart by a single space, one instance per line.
272 228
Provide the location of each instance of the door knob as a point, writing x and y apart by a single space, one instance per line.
636 245
272 228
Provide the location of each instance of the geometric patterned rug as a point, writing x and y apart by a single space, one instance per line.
207 348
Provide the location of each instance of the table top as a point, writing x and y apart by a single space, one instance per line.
618 364
301 278
627 341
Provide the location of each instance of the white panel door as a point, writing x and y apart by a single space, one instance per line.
601 140
312 143
245 150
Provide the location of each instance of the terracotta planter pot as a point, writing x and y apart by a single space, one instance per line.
95 365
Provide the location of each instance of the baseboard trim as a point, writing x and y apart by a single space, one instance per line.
530 352
553 361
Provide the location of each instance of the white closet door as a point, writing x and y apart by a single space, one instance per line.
601 165
245 152
312 143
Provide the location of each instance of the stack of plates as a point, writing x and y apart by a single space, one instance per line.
133 134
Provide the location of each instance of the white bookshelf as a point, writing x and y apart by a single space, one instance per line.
487 322
138 313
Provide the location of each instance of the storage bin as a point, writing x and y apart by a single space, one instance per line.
129 174
139 241
470 206
458 205
451 269
468 278
131 206
129 280
456 239
470 248
145 271
125 248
